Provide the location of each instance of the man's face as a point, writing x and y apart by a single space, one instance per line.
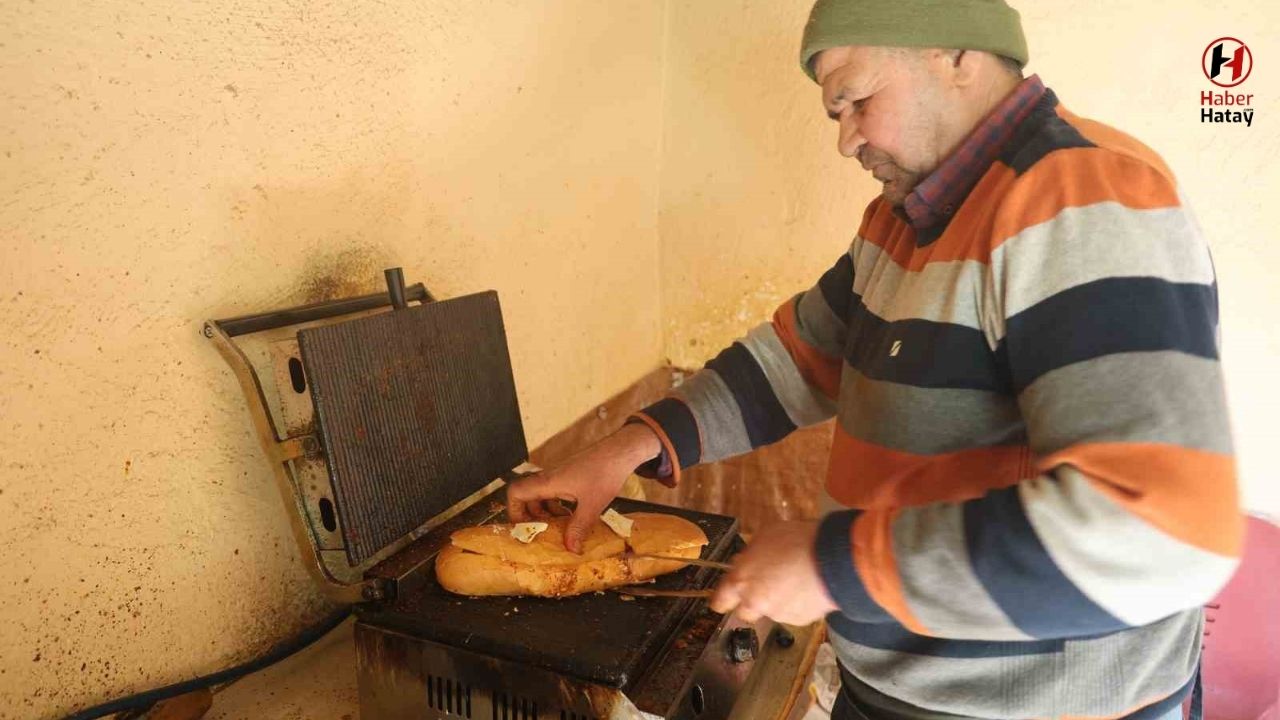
889 107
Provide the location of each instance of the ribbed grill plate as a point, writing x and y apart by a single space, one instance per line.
416 409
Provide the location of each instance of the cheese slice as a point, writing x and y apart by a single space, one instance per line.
546 549
526 532
618 523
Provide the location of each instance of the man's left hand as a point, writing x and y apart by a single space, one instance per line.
776 577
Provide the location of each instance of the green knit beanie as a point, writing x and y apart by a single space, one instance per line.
989 25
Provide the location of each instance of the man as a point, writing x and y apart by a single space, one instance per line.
1031 456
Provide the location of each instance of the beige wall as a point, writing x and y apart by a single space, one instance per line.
1137 66
756 203
170 162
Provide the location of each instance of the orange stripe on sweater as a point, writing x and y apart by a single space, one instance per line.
864 475
1003 204
665 441
1189 494
1116 141
872 540
1078 178
816 367
896 238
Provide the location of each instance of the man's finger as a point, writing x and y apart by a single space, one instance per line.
551 508
576 533
520 492
748 612
515 506
727 596
584 517
537 510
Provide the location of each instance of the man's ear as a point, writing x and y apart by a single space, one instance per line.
967 66
955 68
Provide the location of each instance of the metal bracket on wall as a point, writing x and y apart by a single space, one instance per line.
306 446
340 584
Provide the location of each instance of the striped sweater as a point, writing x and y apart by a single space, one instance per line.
1031 447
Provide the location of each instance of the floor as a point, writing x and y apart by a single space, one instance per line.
318 683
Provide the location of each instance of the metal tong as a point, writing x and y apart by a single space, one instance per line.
688 561
637 591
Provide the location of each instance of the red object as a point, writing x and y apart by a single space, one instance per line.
1240 669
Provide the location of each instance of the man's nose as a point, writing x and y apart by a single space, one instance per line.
850 139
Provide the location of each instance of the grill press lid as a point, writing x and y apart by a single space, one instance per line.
416 409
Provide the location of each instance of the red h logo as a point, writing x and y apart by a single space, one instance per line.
1227 54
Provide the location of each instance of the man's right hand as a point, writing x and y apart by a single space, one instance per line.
592 479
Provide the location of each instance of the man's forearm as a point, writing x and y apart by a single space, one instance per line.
632 445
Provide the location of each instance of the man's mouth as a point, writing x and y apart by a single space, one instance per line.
875 173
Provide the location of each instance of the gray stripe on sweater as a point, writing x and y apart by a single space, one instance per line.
720 425
818 325
938 292
804 403
1161 397
933 563
1094 242
1108 676
926 421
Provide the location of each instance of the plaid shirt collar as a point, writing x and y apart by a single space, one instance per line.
939 194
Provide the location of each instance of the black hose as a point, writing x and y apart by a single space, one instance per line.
278 652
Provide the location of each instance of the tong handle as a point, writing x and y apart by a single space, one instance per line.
655 592
691 561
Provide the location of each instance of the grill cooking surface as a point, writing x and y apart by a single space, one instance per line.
598 638
417 410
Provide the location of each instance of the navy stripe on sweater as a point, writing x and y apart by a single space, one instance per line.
681 428
1109 316
1042 133
765 419
896 638
1021 577
927 353
836 286
834 549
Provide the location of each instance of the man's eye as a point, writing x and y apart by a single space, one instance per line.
858 105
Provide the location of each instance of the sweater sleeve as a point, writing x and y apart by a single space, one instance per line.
1102 304
783 375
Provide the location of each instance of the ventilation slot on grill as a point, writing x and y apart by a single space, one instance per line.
448 696
513 707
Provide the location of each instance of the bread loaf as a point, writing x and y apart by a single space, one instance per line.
487 560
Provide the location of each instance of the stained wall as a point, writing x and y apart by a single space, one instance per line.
164 163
